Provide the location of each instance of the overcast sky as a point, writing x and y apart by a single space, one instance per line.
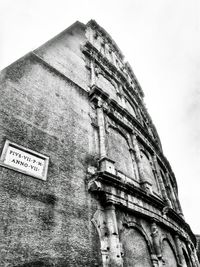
161 41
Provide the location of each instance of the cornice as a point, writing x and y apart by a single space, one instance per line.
113 72
108 67
112 189
112 108
101 31
95 26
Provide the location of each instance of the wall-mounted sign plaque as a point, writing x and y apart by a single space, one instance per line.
24 160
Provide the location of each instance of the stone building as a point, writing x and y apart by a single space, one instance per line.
84 181
198 247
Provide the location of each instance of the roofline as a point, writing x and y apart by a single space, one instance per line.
77 23
93 24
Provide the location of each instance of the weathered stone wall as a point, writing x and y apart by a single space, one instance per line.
142 240
135 249
64 53
110 198
120 153
46 223
198 246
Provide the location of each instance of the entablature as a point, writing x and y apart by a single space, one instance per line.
130 123
99 30
102 61
101 65
113 189
111 50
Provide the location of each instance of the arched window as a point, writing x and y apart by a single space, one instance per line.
166 187
187 262
106 86
118 150
168 254
130 108
148 172
136 252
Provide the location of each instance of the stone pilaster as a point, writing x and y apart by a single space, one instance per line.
172 194
156 240
145 184
90 35
193 256
179 250
178 204
105 222
115 258
107 49
123 103
135 167
106 164
154 260
114 58
92 74
102 134
160 181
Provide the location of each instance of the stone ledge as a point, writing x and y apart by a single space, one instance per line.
111 189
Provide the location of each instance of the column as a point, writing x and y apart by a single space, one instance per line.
195 262
101 124
115 258
160 181
179 250
90 35
132 152
154 260
121 95
172 195
178 203
107 53
106 164
156 240
145 184
92 74
113 58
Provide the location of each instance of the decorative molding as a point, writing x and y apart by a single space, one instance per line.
122 117
112 189
106 67
105 222
109 68
100 31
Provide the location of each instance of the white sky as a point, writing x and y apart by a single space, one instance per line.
161 41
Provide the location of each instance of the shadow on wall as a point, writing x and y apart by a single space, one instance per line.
35 264
41 263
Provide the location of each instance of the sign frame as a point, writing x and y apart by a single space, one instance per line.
33 153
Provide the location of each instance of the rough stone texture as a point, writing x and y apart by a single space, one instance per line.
110 198
168 255
63 52
120 153
135 249
198 246
46 222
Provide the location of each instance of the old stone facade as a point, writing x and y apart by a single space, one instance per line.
84 181
198 247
